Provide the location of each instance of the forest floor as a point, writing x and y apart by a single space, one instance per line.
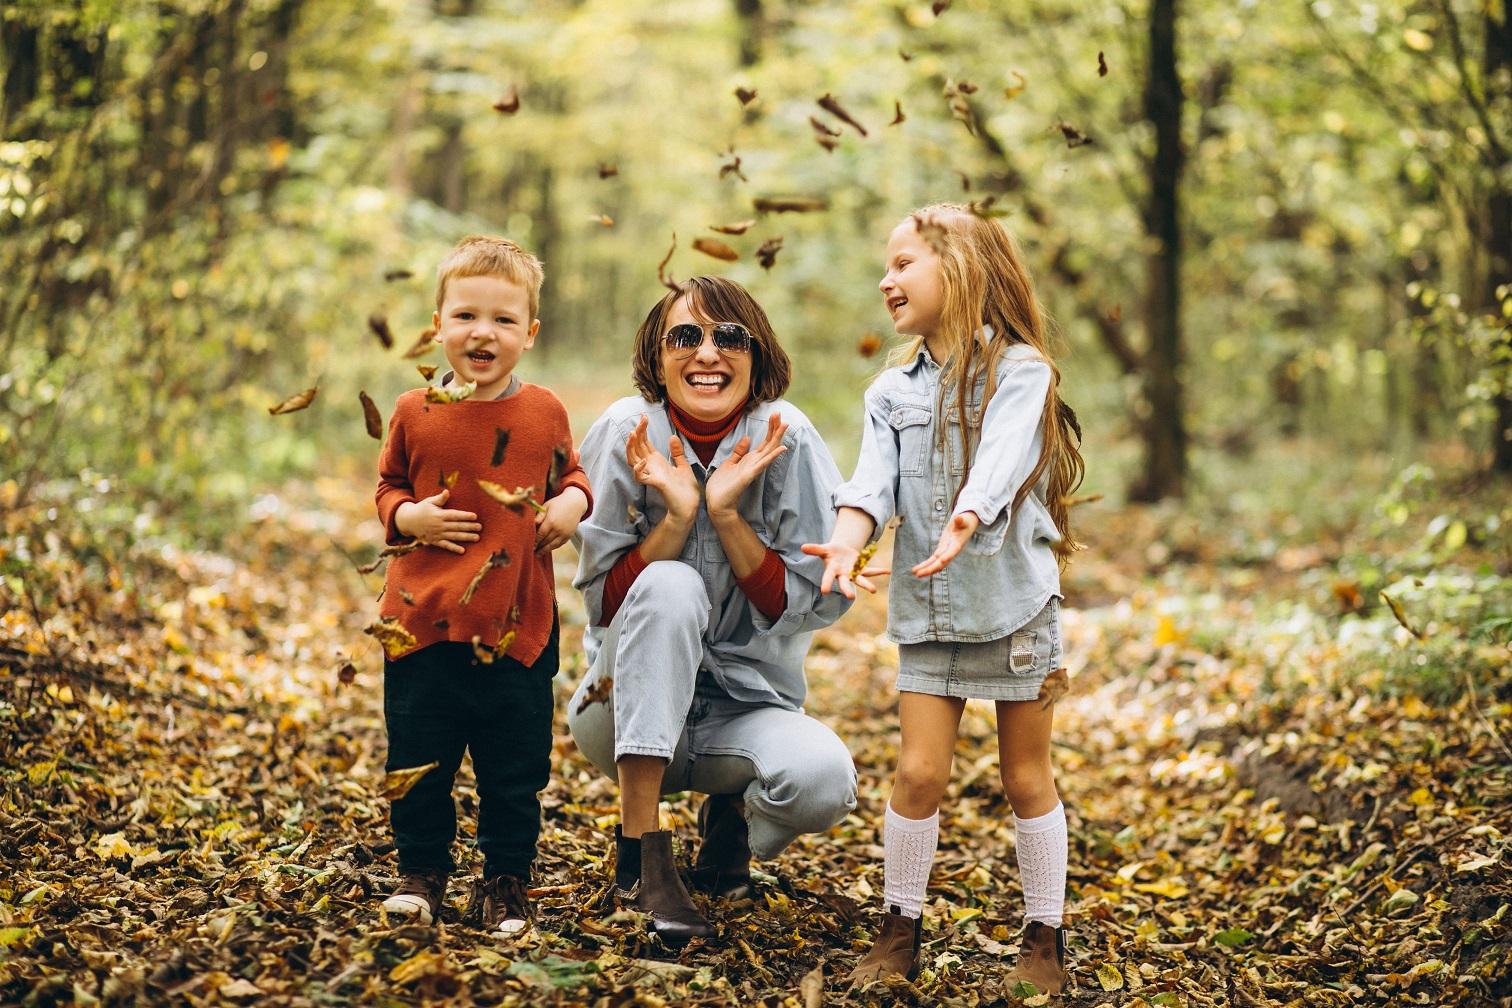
1262 811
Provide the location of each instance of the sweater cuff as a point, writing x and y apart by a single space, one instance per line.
766 586
617 584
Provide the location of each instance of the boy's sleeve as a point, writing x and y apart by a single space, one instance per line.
873 486
1005 457
394 486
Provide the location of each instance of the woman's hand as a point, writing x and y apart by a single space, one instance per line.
670 475
957 531
739 471
434 524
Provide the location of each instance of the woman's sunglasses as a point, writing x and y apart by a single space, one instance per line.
729 338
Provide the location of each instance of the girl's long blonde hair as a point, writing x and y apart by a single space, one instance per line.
984 282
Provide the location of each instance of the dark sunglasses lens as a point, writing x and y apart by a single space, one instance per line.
684 337
732 338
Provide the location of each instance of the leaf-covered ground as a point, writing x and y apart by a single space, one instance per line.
189 811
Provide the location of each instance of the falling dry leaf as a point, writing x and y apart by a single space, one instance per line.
294 403
390 633
732 166
1074 137
965 179
486 654
370 416
1014 90
424 344
986 207
831 105
869 344
898 115
738 228
390 551
966 87
789 204
1053 688
905 55
450 393
828 143
380 327
559 456
939 7
767 253
515 499
497 559
746 95
820 127
960 108
346 672
448 479
716 248
602 220
501 444
607 170
1102 65
598 691
661 268
397 783
397 274
509 102
1401 615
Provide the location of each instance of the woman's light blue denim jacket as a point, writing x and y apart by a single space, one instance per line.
1007 570
754 659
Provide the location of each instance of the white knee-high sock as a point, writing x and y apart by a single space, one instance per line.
1041 844
910 846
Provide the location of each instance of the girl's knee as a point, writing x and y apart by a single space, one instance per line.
921 780
1029 785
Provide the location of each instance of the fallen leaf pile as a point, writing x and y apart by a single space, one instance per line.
191 810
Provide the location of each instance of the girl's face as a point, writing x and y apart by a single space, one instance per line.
706 383
911 286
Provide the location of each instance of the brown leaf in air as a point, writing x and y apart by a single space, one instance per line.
1116 312
486 654
501 444
905 55
396 274
898 116
397 783
346 672
732 166
960 108
965 179
966 87
869 344
294 403
607 170
515 499
371 416
986 207
1074 137
767 253
939 7
424 344
1014 90
559 456
746 95
716 248
1054 687
509 102
598 692
449 479
1102 65
1401 615
738 228
602 220
821 127
789 204
390 551
498 559
390 633
829 103
450 393
380 327
828 143
661 268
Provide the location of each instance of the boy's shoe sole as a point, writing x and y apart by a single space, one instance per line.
405 905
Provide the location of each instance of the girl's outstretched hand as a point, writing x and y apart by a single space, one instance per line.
957 531
839 563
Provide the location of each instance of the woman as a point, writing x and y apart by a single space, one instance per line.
701 603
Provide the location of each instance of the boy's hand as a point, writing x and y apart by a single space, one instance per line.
957 531
559 521
430 522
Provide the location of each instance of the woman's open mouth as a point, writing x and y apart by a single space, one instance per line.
707 380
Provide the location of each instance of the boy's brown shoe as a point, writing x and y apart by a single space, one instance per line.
723 868
896 952
420 895
1041 962
501 904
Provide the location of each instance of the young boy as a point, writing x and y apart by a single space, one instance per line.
476 592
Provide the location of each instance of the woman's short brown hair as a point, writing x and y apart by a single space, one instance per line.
713 299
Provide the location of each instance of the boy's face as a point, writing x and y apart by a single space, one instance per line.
484 326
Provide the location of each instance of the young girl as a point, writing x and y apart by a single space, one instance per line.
967 441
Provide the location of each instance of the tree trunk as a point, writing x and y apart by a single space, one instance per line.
1165 465
18 44
1498 258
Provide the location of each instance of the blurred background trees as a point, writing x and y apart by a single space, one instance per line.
1253 223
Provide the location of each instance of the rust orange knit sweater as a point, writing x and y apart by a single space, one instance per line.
505 441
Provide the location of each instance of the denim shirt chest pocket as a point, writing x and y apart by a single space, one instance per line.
910 424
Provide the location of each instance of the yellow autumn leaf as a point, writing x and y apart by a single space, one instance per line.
1109 978
39 772
112 845
1419 40
418 965
397 783
1166 633
1169 888
1421 798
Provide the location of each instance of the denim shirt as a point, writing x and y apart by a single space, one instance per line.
752 658
1007 571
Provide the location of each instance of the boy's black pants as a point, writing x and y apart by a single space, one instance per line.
441 700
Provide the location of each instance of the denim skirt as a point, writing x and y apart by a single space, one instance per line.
1009 668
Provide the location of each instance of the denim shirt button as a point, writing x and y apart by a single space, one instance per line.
939 504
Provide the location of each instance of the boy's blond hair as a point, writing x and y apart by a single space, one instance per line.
487 255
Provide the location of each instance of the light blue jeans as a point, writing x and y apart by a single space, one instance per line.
795 775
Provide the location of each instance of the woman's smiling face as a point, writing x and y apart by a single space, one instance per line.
707 384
